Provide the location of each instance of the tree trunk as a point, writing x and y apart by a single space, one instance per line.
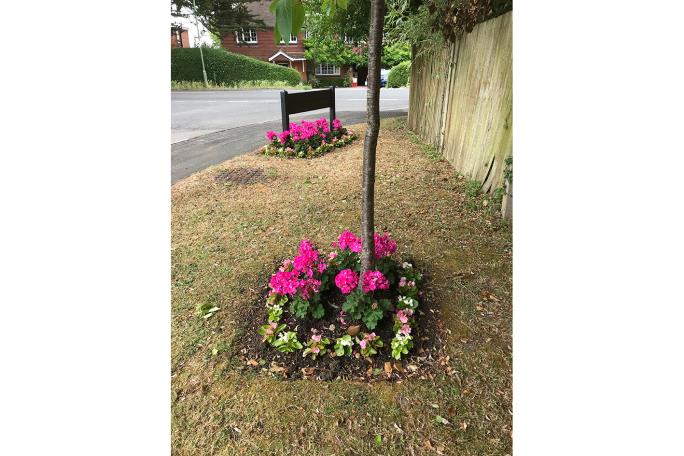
371 140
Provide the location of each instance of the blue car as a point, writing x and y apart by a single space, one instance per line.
383 77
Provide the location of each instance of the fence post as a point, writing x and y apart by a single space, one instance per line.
283 110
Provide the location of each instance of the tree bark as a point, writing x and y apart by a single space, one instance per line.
377 18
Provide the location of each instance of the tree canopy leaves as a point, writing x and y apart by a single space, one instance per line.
219 16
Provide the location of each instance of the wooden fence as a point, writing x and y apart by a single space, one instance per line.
461 101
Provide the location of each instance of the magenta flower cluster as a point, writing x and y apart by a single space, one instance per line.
305 131
374 280
384 246
346 280
301 274
308 139
347 240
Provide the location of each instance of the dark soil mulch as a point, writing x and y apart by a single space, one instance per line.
423 361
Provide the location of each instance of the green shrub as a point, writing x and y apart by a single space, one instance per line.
399 75
330 81
226 68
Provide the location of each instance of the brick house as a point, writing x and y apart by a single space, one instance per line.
260 44
179 37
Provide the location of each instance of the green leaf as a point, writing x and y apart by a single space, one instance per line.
210 312
289 17
378 440
318 311
441 420
372 317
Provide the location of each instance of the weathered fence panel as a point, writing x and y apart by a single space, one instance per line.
461 101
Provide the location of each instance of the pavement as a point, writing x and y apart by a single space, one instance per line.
209 127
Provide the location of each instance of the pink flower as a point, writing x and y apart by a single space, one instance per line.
402 282
283 136
287 264
346 280
315 349
347 240
271 135
384 246
363 343
401 315
337 124
371 336
374 280
316 337
307 259
271 328
305 247
308 287
332 255
405 330
284 282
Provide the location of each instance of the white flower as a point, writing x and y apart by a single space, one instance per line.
406 265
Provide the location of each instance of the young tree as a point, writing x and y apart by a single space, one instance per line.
289 19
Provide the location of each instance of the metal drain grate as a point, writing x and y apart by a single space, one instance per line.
241 176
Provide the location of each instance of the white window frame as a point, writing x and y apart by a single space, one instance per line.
347 40
323 68
292 41
240 35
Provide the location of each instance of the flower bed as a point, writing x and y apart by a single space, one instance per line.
316 308
308 139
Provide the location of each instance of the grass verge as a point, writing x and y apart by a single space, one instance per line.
242 85
227 236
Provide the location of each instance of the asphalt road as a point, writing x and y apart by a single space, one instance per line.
210 127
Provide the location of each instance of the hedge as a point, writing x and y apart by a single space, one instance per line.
226 67
330 81
399 75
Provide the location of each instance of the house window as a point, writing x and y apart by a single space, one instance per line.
293 40
307 34
246 36
348 40
327 69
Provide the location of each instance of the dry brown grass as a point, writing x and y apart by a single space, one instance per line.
225 240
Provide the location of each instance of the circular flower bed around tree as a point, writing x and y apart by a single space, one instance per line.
312 286
308 139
